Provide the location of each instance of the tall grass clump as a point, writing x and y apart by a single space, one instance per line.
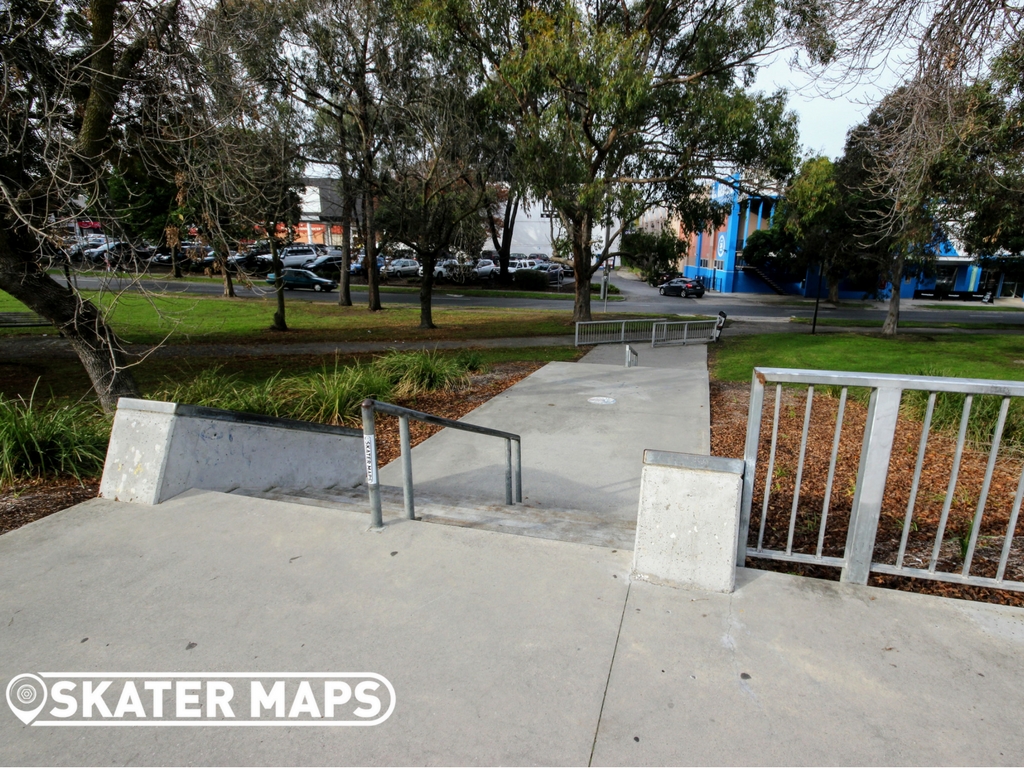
216 389
335 396
38 441
984 414
413 373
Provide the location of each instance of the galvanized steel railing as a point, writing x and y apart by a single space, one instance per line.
513 469
657 331
886 392
687 331
614 331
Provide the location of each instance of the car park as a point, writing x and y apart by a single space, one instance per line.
110 254
682 286
403 268
358 268
521 264
303 279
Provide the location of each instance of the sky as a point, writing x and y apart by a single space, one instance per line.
826 113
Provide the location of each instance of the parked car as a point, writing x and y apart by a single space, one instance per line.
326 263
513 265
682 286
403 268
297 255
486 269
302 278
553 271
358 268
111 254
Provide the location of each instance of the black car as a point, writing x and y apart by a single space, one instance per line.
682 286
302 278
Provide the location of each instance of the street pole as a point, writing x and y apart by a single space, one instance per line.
817 299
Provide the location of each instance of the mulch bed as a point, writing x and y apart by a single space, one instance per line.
728 433
25 503
28 502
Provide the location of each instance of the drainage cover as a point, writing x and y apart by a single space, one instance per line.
602 400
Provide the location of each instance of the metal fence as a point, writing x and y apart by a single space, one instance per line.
614 331
658 331
513 459
687 331
809 509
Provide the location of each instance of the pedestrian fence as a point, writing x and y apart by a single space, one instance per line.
658 332
800 510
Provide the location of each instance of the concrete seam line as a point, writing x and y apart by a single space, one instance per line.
615 650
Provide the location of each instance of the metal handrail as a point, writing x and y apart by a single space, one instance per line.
404 414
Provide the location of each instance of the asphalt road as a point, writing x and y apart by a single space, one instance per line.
639 298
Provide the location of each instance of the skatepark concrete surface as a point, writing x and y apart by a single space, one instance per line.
501 649
577 455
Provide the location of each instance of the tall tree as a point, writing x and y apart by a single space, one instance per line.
66 72
621 106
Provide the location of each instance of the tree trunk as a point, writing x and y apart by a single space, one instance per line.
373 284
833 289
175 264
221 260
579 238
892 319
504 248
344 279
426 292
78 320
275 264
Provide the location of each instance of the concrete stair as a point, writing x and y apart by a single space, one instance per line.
770 283
528 519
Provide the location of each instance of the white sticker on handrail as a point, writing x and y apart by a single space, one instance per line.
370 454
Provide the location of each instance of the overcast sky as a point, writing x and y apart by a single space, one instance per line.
826 114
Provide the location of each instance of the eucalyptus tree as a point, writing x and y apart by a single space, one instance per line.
437 195
70 73
621 106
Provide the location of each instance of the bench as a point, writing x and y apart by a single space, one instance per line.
21 320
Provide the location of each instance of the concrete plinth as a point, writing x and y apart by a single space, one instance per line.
688 521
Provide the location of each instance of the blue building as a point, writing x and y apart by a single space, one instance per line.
717 257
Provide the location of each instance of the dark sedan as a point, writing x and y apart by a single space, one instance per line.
682 286
303 278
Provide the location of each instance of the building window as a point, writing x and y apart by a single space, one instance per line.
704 263
719 264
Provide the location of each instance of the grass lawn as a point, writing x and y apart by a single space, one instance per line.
840 323
980 357
201 319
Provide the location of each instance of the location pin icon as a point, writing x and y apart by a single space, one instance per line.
26 696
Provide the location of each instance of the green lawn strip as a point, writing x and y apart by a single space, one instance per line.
983 357
838 323
970 306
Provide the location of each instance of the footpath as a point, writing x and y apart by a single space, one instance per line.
503 649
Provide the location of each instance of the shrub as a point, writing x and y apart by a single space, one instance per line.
530 280
415 372
39 441
215 389
335 396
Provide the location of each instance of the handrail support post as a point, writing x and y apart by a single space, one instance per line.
519 471
403 432
370 455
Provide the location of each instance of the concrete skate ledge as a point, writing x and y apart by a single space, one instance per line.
693 461
160 449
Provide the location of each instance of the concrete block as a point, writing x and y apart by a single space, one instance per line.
159 450
688 521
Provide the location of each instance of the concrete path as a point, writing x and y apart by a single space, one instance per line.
577 454
501 649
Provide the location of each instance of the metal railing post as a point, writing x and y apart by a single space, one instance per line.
883 410
519 472
403 432
750 464
508 470
370 456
